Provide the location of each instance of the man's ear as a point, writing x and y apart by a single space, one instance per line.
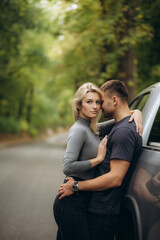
115 100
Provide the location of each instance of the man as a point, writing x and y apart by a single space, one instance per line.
123 145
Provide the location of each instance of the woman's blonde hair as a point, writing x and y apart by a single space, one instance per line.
79 95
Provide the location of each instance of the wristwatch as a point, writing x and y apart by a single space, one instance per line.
75 187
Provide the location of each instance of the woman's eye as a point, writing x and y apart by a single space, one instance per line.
89 101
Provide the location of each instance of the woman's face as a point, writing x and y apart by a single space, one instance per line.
90 106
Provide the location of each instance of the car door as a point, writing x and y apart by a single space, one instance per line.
145 185
140 218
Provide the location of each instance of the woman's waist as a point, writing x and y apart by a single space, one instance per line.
77 178
84 175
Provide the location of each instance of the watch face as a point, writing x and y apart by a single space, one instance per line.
75 187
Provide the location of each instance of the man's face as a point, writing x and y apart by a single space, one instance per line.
107 104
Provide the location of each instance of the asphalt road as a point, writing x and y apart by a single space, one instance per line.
29 178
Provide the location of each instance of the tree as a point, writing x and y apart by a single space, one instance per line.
105 40
49 48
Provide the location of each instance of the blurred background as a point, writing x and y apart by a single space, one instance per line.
49 48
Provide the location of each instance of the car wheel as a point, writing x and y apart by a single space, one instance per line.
127 229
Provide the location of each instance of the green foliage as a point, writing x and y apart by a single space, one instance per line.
9 125
24 126
49 48
33 132
148 57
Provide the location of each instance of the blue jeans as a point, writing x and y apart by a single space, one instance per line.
71 217
102 226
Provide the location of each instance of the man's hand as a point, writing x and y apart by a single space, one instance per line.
66 188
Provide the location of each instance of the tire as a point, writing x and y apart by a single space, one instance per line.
126 230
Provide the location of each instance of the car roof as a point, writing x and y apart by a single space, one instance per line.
150 88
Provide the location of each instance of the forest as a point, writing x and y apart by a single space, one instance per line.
48 48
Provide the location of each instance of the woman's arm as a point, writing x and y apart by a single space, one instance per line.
106 127
137 118
75 144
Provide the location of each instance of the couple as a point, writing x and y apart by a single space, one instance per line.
88 204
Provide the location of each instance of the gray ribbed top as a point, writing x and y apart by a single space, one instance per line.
82 145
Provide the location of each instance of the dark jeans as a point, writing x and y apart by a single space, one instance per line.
71 217
102 226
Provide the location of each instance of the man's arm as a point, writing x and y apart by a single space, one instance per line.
111 179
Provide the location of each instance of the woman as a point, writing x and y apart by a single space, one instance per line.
83 153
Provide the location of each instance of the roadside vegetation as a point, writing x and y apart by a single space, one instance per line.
49 48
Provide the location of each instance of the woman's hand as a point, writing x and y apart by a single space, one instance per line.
102 149
137 117
101 153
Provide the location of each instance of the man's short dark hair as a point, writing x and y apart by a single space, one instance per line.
116 87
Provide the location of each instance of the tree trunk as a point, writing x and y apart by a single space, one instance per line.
21 105
127 67
104 47
127 70
30 106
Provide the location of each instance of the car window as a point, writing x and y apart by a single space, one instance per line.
139 102
135 103
143 101
154 138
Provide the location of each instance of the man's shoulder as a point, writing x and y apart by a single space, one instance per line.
125 125
124 131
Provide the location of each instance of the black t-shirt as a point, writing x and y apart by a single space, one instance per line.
124 143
